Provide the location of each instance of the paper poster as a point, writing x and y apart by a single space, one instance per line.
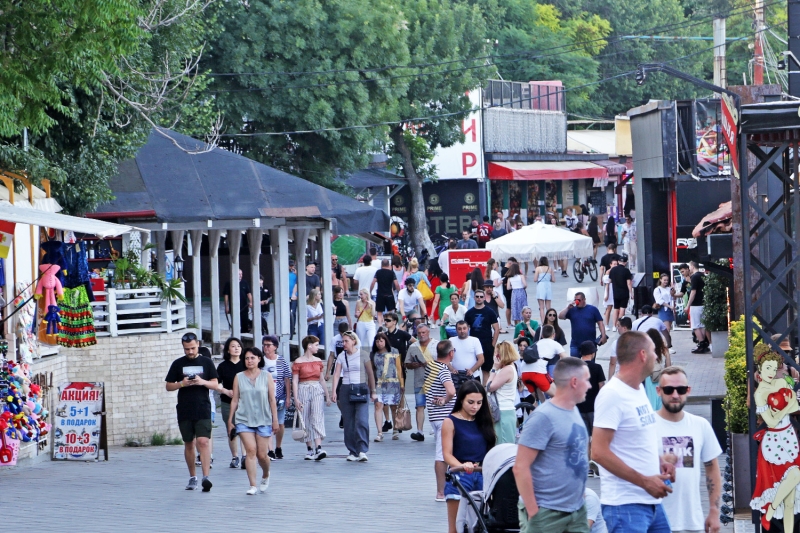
77 421
6 236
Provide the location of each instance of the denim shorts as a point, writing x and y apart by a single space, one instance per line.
261 431
636 518
470 482
419 397
281 413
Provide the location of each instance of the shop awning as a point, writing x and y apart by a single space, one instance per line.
614 168
546 170
34 217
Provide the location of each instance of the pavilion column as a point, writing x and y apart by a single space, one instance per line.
324 243
254 238
279 240
144 255
161 251
214 236
300 243
196 237
234 239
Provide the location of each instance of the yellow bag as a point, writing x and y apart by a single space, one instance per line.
425 290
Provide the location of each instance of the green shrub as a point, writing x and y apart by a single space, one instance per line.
158 439
177 441
715 300
736 412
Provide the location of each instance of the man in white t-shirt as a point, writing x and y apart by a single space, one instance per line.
410 299
625 444
365 274
469 353
687 440
650 321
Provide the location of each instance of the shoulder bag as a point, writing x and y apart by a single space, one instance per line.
359 392
425 290
494 406
402 417
299 430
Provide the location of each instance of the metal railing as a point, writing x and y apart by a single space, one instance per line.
524 95
136 311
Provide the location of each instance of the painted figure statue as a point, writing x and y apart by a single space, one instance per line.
776 492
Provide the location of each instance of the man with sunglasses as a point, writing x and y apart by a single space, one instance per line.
485 326
193 376
583 317
689 439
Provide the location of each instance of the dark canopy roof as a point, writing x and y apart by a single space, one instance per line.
177 186
373 177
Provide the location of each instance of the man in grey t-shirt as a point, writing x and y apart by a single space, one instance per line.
552 462
418 356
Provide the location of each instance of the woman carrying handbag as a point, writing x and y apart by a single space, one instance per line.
358 386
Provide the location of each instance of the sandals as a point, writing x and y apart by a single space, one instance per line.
379 438
396 435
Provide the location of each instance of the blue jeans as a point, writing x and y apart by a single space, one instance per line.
318 331
636 518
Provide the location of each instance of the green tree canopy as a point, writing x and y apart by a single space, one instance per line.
276 50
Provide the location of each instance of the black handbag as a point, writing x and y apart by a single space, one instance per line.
359 392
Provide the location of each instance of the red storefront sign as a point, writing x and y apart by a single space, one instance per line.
462 262
730 130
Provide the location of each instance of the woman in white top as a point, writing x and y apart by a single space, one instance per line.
519 296
503 383
314 314
664 296
358 387
452 315
608 297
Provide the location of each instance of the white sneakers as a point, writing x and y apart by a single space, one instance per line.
362 457
252 491
264 484
352 457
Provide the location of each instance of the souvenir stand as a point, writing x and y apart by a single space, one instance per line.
46 281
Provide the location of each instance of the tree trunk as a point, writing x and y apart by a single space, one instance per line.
417 221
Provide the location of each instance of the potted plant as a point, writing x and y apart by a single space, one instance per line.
715 310
737 412
170 290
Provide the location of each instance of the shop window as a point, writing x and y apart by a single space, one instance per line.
497 198
534 209
514 199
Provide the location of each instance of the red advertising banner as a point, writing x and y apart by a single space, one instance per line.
462 262
730 130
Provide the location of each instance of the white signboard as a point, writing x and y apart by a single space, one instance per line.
77 421
463 161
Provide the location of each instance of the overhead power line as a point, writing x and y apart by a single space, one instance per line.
456 113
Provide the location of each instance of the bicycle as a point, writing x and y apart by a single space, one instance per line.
581 267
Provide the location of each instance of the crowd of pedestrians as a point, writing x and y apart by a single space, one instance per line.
626 426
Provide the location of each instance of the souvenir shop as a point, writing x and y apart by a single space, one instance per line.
48 280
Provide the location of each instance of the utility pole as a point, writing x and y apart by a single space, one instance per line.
792 68
758 55
720 73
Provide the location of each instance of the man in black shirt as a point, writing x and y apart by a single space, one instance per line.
245 302
193 376
696 302
605 261
312 279
597 378
484 325
387 284
622 285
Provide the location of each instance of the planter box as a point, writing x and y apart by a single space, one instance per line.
719 343
742 492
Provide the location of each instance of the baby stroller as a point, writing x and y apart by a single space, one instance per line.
494 509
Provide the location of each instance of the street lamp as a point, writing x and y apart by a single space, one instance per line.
111 270
178 262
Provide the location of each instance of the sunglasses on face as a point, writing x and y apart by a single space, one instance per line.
551 315
670 390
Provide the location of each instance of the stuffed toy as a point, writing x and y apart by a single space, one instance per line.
49 286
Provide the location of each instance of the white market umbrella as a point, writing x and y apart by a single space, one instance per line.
541 240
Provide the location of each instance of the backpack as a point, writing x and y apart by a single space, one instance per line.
531 354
